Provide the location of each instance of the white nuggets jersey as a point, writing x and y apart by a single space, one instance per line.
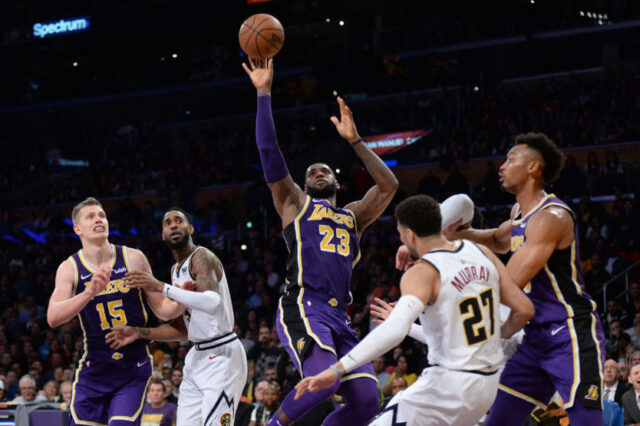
462 327
203 326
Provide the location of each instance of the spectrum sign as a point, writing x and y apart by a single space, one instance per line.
60 27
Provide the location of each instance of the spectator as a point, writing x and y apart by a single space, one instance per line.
158 412
630 398
401 370
28 391
381 374
3 396
50 391
176 379
168 391
262 413
66 391
634 332
614 388
398 384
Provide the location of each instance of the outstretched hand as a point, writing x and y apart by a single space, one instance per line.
261 73
381 311
345 126
121 336
143 280
316 383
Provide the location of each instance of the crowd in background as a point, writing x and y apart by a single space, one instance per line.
38 363
575 110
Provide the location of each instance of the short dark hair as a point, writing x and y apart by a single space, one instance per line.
157 381
421 214
551 155
178 209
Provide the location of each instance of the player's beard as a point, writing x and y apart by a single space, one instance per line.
180 243
328 191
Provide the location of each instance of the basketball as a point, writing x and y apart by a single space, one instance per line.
261 36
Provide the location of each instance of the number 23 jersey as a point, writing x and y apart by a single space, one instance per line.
323 249
462 327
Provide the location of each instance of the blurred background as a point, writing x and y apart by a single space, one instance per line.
144 105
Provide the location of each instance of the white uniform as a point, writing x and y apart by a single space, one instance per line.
462 329
215 369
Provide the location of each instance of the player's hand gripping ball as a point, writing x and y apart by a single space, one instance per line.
261 36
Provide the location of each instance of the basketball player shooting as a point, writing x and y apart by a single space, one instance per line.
455 289
323 244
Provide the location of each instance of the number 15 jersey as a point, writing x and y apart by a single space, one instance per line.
462 327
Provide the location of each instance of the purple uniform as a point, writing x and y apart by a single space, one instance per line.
110 385
563 342
323 248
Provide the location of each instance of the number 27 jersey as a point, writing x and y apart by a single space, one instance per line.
462 326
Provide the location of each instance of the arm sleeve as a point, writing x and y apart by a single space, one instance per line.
416 332
207 301
273 164
387 335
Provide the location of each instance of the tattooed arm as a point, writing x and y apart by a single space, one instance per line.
378 197
174 331
207 270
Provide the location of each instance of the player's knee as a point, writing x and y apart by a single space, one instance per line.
366 399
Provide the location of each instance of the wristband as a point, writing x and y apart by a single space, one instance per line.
356 142
263 93
165 290
334 368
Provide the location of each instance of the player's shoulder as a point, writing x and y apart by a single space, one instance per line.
66 266
554 214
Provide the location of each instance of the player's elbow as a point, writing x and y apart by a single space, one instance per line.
52 320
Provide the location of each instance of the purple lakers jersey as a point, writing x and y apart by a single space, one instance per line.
323 249
117 305
557 291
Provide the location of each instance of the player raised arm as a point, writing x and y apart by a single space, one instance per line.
420 286
378 197
63 305
175 331
207 270
288 197
548 230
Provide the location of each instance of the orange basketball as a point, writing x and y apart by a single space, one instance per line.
261 36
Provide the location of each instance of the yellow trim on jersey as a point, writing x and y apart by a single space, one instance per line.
556 289
144 397
535 209
84 262
455 249
426 262
357 375
286 332
296 223
308 326
76 275
595 339
356 259
520 395
126 258
75 382
576 363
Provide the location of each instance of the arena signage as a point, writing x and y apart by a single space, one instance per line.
60 27
391 142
